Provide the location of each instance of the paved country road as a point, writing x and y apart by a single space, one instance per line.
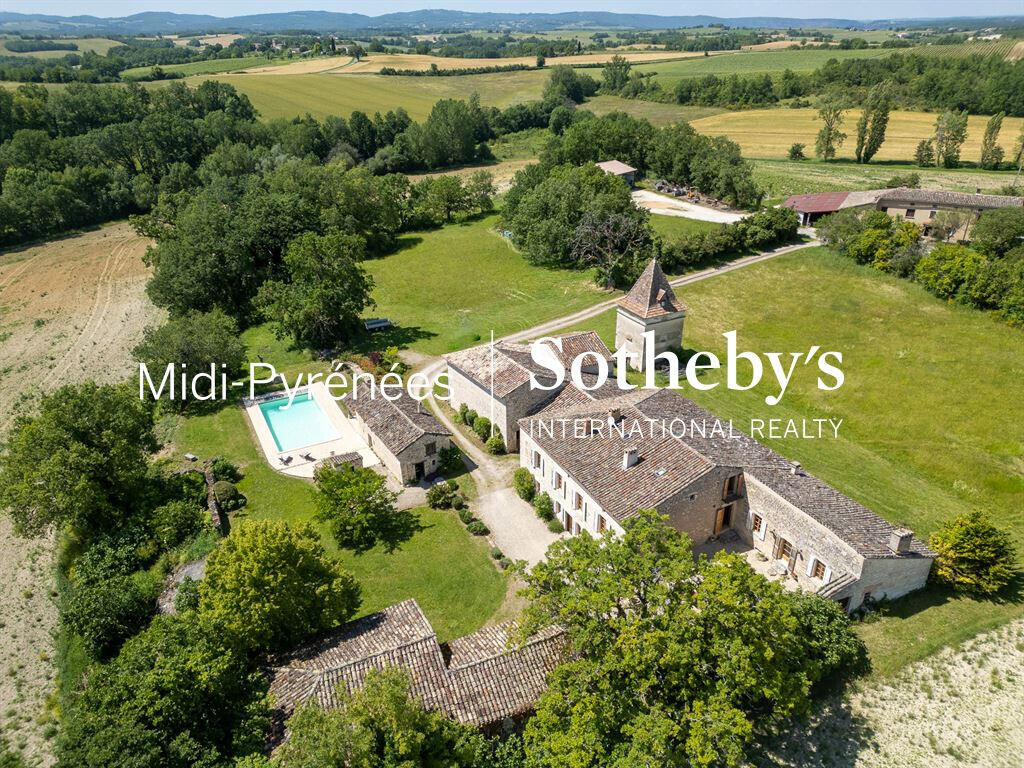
514 527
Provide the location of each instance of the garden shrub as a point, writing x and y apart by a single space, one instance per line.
833 651
973 555
505 563
442 495
496 553
555 525
225 470
495 445
228 496
459 502
187 598
477 528
450 460
106 612
544 507
465 515
462 414
523 482
177 521
482 427
469 417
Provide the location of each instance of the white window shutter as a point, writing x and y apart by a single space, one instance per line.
750 519
810 563
827 577
764 528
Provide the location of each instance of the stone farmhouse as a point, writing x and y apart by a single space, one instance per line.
616 168
602 454
497 380
919 206
481 679
402 432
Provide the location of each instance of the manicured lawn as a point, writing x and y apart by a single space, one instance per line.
449 288
674 227
930 410
449 572
771 132
782 178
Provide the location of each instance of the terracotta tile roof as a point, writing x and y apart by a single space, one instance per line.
816 202
595 460
615 167
651 295
397 423
483 680
513 364
596 463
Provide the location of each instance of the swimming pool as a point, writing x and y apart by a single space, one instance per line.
301 424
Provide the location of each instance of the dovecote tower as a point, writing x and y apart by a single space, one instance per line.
651 306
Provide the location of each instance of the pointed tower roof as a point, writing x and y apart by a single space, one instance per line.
651 296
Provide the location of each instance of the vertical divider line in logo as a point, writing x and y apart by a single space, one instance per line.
492 383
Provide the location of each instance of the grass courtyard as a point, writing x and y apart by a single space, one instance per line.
449 572
928 429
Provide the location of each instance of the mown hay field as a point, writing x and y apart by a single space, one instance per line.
211 66
770 132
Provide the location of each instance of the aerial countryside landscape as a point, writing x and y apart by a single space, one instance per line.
622 385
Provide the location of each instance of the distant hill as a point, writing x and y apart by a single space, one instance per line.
156 22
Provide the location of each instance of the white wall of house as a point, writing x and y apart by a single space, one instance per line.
629 329
572 502
466 390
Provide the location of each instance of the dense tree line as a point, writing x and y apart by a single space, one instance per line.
978 84
91 67
566 212
987 274
436 71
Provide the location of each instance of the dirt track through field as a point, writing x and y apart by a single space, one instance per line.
70 309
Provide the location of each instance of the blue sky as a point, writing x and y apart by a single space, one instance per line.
865 9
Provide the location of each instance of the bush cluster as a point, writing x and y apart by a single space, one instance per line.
524 484
766 228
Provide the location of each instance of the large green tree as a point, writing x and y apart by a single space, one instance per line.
546 218
950 135
78 461
380 726
873 121
991 152
197 340
319 306
357 505
830 137
269 585
672 660
999 231
175 697
973 555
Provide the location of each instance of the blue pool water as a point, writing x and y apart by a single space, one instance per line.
301 424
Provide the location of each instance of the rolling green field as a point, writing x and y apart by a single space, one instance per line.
926 430
782 178
999 48
449 288
336 94
212 66
752 63
98 45
657 112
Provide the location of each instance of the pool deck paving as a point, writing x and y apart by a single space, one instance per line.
349 440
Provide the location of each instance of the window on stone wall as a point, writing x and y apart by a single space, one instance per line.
818 571
429 449
577 501
910 213
558 480
601 525
536 460
785 550
757 524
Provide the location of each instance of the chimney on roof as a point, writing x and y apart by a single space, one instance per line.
899 540
630 458
795 468
614 416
